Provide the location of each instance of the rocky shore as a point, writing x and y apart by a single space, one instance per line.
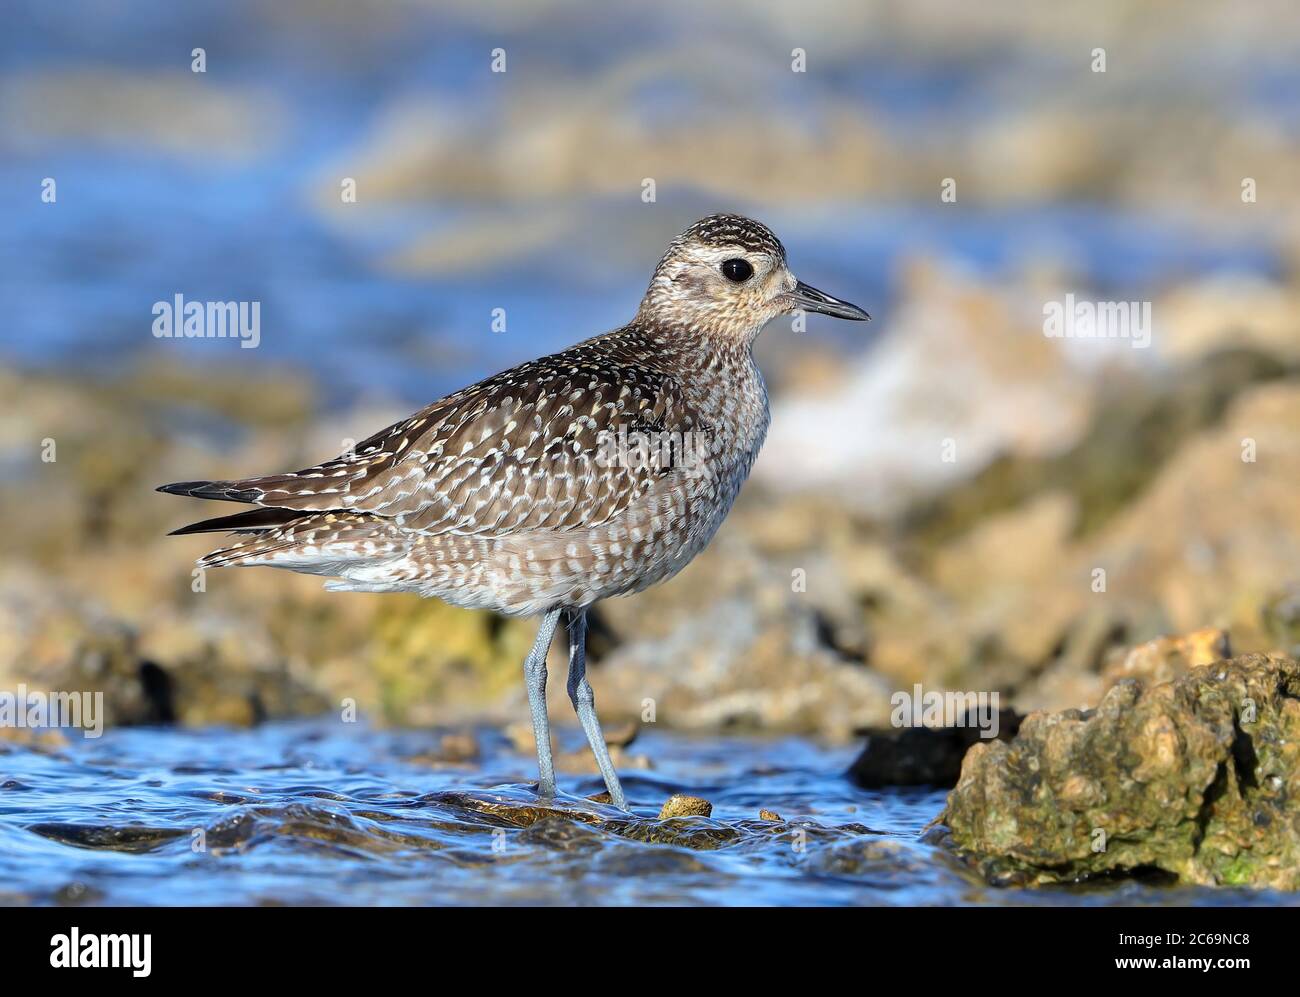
1194 778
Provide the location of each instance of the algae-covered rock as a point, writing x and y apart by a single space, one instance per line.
1196 778
681 805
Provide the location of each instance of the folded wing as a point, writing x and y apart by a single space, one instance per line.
533 448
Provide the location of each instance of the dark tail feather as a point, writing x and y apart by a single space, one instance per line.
252 521
228 490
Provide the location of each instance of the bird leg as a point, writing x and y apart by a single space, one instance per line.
584 704
535 680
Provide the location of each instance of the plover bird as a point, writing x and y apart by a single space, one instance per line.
590 473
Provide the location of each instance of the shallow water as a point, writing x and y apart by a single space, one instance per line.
325 813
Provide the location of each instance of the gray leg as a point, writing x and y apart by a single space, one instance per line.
535 680
584 702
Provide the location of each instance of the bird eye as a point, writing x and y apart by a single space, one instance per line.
737 270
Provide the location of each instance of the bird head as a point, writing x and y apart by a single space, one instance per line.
726 275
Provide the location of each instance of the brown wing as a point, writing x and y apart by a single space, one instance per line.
526 449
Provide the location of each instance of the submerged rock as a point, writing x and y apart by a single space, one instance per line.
512 808
125 838
521 810
1196 778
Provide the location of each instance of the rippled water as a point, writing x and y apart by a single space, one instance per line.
322 813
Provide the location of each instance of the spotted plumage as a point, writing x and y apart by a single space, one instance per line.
535 491
726 231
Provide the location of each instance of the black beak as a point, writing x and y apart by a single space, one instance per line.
812 300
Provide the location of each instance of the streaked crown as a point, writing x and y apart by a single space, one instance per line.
734 230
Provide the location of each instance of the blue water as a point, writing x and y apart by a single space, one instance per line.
320 812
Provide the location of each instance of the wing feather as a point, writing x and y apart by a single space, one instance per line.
519 451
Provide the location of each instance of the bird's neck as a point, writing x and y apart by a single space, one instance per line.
698 337
718 374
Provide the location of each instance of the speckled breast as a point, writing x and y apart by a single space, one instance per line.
663 529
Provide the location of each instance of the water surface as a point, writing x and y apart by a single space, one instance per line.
318 812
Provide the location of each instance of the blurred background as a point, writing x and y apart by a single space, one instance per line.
948 481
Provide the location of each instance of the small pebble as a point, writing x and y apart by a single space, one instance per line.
680 805
768 815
